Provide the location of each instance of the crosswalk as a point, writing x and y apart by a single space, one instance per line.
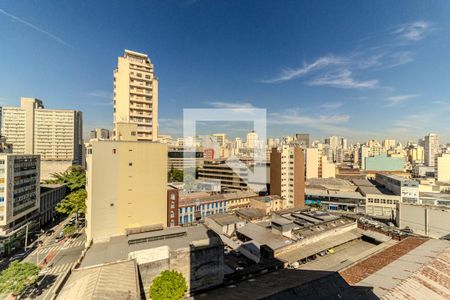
57 269
46 250
73 244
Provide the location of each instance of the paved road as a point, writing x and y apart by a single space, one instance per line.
60 258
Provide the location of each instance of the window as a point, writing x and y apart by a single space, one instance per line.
114 151
172 196
133 133
130 164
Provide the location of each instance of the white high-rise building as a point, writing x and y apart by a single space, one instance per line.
431 149
136 94
252 140
55 134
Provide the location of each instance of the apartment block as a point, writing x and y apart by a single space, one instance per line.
136 94
287 175
127 187
55 134
179 158
443 168
19 199
431 149
221 172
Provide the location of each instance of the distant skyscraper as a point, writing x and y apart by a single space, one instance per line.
431 149
220 138
136 94
100 133
302 139
252 140
287 175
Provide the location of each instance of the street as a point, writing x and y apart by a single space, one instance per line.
55 259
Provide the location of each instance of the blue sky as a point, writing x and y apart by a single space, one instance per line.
362 69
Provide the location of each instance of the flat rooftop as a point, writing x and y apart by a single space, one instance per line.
118 248
264 236
224 219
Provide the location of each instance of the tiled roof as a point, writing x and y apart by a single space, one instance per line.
363 269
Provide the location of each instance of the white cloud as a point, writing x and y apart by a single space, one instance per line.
414 31
399 99
101 94
230 105
28 24
342 79
322 62
331 105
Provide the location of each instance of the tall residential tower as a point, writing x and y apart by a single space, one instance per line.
136 95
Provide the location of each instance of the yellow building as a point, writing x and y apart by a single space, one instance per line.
443 168
126 185
136 94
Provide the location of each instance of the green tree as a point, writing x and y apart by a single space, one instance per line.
69 230
74 178
17 277
168 285
175 175
75 202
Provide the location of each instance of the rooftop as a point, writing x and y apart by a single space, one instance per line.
118 248
250 213
224 219
264 236
118 280
415 268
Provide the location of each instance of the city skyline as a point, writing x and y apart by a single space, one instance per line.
313 70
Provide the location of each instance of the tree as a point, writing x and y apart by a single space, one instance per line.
74 178
168 285
17 277
175 175
75 202
69 230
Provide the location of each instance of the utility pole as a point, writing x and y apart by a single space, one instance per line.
26 236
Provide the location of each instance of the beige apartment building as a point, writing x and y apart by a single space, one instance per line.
443 168
287 175
136 94
126 185
55 134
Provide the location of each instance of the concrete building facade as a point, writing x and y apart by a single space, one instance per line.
443 168
54 134
287 175
127 187
431 148
136 94
431 221
19 198
51 195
